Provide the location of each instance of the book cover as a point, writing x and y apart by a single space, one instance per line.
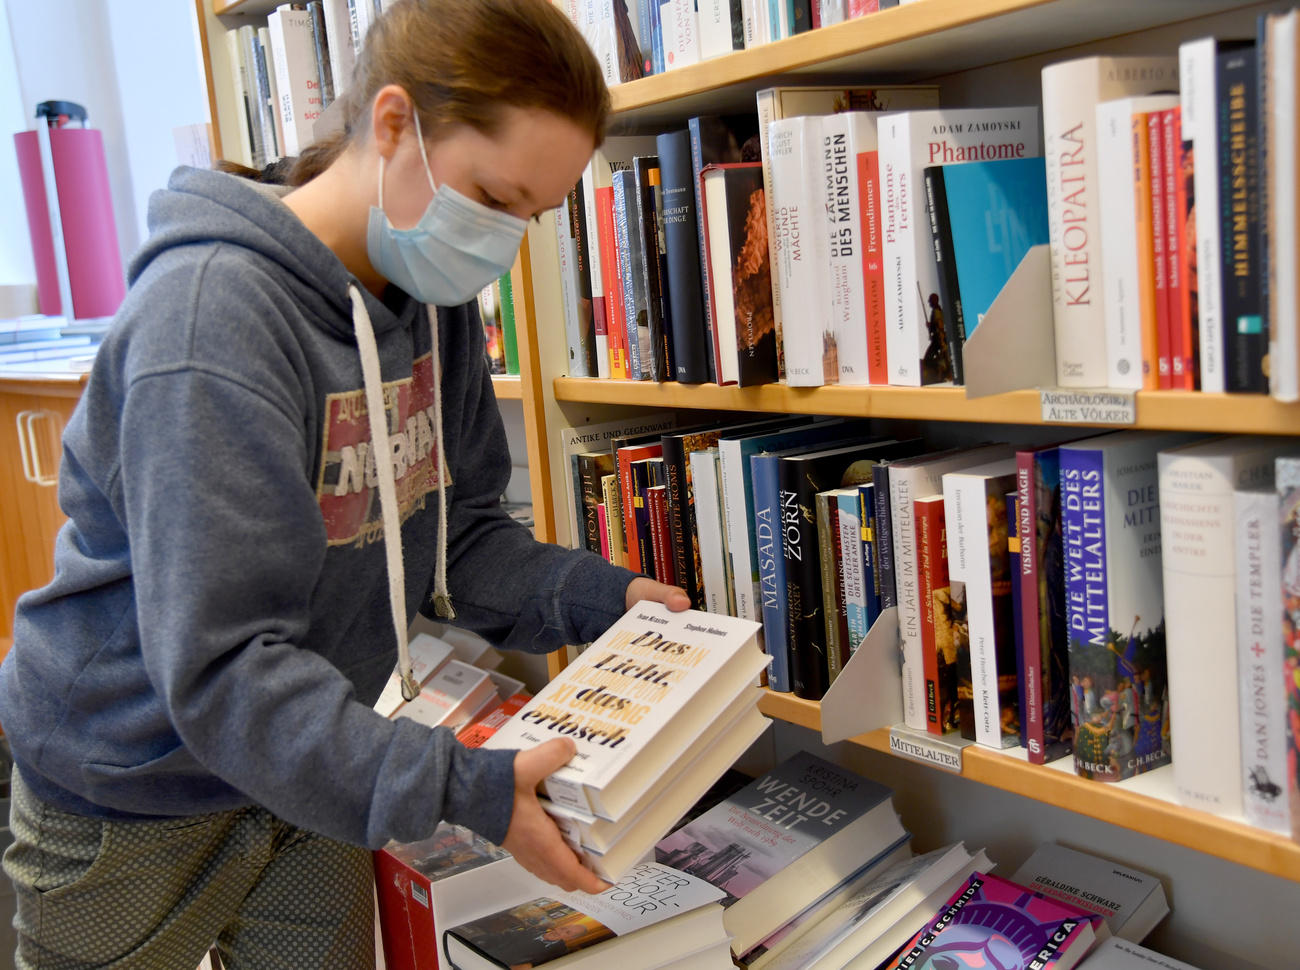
1260 663
739 273
1049 726
639 511
509 334
295 74
1181 358
939 640
682 531
909 142
845 138
649 210
635 700
1287 472
625 458
545 929
1115 602
830 554
1130 901
1198 539
778 843
870 548
489 306
854 567
1071 92
451 697
975 504
681 239
1154 187
486 724
592 467
1117 954
883 530
659 534
710 532
632 257
994 919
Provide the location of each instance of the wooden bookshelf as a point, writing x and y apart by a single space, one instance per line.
508 387
1168 410
1143 804
257 8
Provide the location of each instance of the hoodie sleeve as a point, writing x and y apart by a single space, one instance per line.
513 590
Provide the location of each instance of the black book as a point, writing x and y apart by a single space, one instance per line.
590 312
1245 314
592 467
643 476
681 221
649 208
321 47
883 530
945 257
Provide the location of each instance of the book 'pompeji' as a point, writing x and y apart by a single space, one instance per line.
635 700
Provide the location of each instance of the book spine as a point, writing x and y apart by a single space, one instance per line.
902 497
1031 669
884 532
797 201
624 227
321 47
509 335
650 232
771 568
697 164
1013 558
1288 492
945 257
929 536
339 34
589 475
735 517
681 230
1144 217
681 34
295 68
570 297
828 553
852 573
594 260
717 29
901 340
1244 325
708 518
844 249
679 524
614 519
870 556
640 513
659 535
612 277
1200 119
1260 661
1159 257
254 109
804 613
873 266
266 114
590 311
1117 221
1180 360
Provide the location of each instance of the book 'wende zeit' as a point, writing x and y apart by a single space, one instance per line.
635 701
653 917
784 840
993 922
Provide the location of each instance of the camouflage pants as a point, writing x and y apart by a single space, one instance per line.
157 894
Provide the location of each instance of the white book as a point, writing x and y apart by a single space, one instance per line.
1117 202
1198 543
681 33
264 41
592 227
428 655
452 696
1130 901
832 11
973 501
296 77
243 96
909 142
1284 247
1071 92
1260 664
1198 89
910 479
706 488
635 701
338 28
799 257
361 14
716 36
845 136
567 249
1117 954
853 576
254 66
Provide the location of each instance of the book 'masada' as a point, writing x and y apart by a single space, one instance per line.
991 917
782 841
1115 602
1071 92
635 700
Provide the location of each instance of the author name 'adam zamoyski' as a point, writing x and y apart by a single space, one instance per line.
942 151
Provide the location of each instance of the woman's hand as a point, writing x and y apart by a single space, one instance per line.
645 588
533 838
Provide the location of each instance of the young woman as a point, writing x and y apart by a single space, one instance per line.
188 701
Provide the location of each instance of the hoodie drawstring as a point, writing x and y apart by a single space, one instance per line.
382 449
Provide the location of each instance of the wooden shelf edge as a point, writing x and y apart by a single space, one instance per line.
1224 838
508 387
1163 410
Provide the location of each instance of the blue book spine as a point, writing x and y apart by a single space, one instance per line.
657 36
622 185
856 610
870 574
646 11
771 567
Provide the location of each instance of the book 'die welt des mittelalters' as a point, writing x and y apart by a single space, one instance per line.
634 703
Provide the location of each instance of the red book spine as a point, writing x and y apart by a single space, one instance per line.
1156 140
1182 342
614 322
932 575
873 266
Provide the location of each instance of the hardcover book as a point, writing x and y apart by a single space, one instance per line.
1117 954
1071 92
592 467
650 223
683 532
632 267
855 567
1130 901
685 295
1115 602
780 842
942 640
634 701
710 531
1287 472
910 142
451 697
575 288
994 919
830 556
1198 539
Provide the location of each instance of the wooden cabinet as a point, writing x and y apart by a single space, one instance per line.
32 414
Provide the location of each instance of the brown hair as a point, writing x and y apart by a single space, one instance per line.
462 61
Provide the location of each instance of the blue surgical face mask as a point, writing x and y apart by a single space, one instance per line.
458 247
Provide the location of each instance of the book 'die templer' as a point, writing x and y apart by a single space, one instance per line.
635 701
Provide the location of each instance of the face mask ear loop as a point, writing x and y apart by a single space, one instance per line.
424 155
381 186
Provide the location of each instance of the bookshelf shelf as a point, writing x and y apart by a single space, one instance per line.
508 387
253 7
1144 804
1172 410
914 41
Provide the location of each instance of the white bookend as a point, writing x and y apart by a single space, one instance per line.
974 506
706 488
295 75
1260 665
338 28
1117 202
845 137
1198 552
715 28
635 701
909 142
681 33
910 479
1198 89
1071 93
799 258
1131 901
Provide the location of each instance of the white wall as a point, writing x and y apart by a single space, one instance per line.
15 248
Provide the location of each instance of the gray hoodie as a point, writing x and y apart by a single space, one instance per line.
219 621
